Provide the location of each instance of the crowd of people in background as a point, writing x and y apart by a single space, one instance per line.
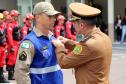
11 33
64 28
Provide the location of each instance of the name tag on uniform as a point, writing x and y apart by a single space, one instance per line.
44 48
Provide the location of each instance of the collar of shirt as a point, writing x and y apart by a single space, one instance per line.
94 30
38 33
89 35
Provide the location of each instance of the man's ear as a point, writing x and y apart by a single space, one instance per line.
82 25
36 16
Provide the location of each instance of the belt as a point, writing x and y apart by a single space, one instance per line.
45 70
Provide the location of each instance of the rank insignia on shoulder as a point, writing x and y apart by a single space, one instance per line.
44 48
77 50
25 45
23 56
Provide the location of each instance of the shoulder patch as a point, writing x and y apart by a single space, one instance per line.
78 49
23 56
25 45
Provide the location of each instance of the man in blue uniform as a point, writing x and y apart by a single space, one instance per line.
36 59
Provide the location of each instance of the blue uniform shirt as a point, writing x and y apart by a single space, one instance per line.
44 68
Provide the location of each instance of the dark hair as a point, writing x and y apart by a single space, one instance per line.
90 20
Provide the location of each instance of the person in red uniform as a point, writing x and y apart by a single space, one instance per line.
59 28
12 28
2 49
7 24
7 19
5 13
27 28
15 14
70 31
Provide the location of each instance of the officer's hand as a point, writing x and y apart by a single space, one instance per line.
57 43
62 39
12 49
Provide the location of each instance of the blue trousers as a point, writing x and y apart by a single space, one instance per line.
123 34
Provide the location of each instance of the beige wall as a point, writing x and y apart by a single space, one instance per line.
104 5
8 4
58 4
36 1
120 6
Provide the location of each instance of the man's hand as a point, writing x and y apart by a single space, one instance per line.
57 43
62 39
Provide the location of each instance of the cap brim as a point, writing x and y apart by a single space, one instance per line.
74 18
54 12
